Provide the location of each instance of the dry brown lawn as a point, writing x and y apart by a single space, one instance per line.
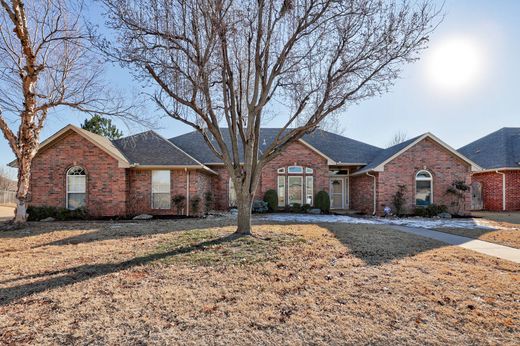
188 282
508 237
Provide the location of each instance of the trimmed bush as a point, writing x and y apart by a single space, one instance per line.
296 208
194 204
208 201
259 207
271 198
305 208
322 201
61 214
179 201
431 210
399 200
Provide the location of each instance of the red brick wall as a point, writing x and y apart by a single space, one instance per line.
428 155
362 193
106 183
296 154
492 189
140 191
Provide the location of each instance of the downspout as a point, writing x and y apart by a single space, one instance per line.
187 191
375 197
503 189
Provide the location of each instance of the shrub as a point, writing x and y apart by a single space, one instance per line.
458 190
194 204
305 208
296 208
431 210
399 200
208 201
322 201
61 214
259 207
271 198
179 202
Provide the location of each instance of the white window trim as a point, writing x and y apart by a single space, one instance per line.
231 184
67 192
169 190
282 178
430 179
281 170
307 178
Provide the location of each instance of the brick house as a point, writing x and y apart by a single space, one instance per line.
143 173
497 186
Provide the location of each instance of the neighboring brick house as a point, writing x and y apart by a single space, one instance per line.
143 173
497 185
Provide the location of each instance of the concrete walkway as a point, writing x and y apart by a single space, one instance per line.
484 247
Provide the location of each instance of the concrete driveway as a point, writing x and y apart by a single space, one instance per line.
6 213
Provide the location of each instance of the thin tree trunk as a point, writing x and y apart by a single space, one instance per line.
245 202
24 174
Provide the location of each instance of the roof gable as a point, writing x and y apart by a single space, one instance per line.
103 143
499 149
387 155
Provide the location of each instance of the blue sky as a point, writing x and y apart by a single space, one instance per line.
417 103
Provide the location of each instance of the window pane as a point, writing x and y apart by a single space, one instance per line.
281 170
295 169
161 181
232 194
161 201
424 175
76 200
281 191
76 183
295 190
423 193
309 170
309 190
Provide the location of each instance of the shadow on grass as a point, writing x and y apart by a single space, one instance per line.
108 230
380 244
86 272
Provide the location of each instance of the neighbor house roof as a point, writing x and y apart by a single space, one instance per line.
498 150
388 154
337 149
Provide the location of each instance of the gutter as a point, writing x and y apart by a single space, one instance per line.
503 189
375 196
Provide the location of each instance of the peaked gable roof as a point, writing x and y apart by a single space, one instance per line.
337 149
151 149
499 149
102 142
388 154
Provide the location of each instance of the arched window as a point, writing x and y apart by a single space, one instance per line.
76 188
423 189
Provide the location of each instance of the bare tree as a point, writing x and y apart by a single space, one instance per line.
45 63
219 64
397 138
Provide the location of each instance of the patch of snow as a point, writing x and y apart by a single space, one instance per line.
411 222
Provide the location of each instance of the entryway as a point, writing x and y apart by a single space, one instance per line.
338 193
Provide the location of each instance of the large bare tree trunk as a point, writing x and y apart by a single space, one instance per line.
244 202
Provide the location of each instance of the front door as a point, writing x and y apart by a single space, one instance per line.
336 193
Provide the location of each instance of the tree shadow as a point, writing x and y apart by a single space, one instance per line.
109 230
89 271
380 244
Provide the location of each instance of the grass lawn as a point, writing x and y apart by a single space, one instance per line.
188 282
507 237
